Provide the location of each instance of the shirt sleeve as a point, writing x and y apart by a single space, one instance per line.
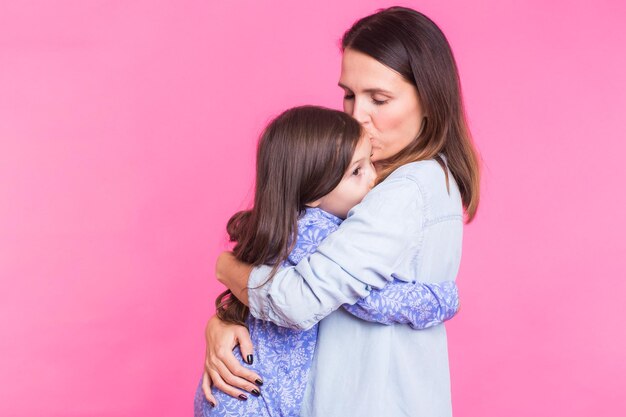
362 254
420 305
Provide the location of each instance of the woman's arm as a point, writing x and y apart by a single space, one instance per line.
234 274
367 251
221 368
420 305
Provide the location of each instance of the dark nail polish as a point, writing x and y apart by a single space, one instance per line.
243 397
249 359
212 405
255 392
259 382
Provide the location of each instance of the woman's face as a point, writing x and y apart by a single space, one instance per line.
382 101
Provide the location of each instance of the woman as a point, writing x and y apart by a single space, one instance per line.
401 83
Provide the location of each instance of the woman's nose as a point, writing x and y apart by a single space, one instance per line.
359 113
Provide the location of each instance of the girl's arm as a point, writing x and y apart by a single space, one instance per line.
419 305
364 253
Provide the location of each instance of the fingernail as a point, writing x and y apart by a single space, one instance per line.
243 397
259 382
249 359
255 392
212 405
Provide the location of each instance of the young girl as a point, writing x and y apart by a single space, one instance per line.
313 166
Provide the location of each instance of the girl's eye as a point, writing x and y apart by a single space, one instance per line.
356 171
348 96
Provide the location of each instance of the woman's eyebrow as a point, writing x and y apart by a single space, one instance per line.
368 90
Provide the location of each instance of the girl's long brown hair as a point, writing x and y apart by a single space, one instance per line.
302 156
412 44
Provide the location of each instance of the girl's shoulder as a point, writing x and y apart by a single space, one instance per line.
316 217
314 225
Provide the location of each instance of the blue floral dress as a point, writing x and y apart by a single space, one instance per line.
283 356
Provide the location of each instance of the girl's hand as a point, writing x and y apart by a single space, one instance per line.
221 367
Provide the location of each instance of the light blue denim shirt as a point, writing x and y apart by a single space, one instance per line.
408 228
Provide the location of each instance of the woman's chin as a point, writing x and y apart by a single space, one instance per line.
376 156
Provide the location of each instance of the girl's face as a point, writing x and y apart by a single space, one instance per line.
357 181
381 100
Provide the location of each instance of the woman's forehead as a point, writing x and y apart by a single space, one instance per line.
361 72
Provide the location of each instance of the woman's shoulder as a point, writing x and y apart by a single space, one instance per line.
422 172
430 183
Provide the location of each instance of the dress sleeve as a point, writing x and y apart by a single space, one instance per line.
420 305
362 254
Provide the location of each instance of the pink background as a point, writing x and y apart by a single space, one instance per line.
127 137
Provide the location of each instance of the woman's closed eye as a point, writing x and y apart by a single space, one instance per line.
379 102
375 101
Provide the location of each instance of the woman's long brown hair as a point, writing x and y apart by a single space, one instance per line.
302 156
412 44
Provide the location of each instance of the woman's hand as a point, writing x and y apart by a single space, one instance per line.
234 275
221 367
